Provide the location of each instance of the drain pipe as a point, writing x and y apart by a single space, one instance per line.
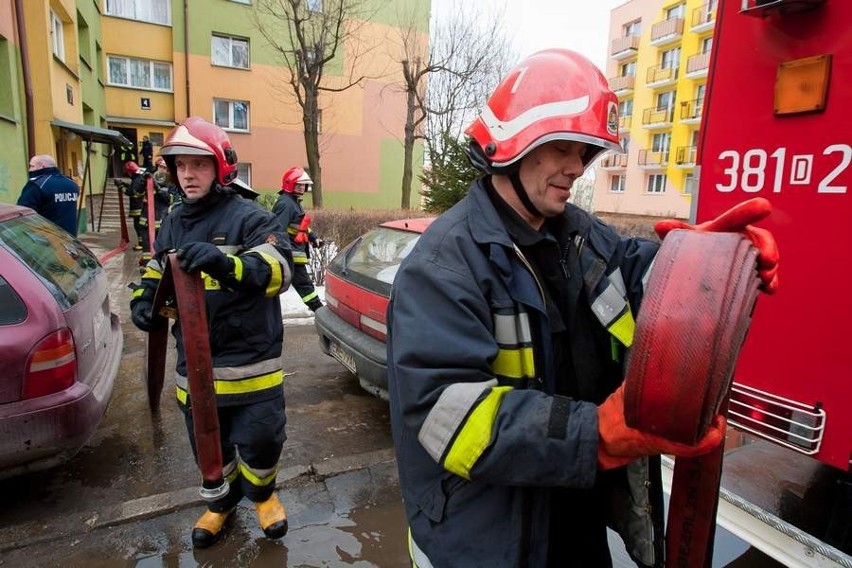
28 81
185 53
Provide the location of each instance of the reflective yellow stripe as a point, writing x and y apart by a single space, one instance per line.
182 395
310 297
254 479
623 327
276 278
238 267
233 475
297 259
514 363
138 292
210 283
475 435
151 273
292 230
242 386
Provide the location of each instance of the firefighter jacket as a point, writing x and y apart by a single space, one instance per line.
243 312
480 436
288 208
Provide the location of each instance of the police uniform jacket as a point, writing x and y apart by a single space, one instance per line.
244 311
52 195
480 436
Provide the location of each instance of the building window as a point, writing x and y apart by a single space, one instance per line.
706 44
657 183
633 28
156 138
57 36
617 183
689 184
152 11
231 115
628 69
625 107
661 142
665 100
670 59
230 51
244 173
139 73
675 12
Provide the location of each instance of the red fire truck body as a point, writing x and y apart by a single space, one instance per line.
778 124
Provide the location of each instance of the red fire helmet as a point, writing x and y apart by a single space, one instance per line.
196 136
131 168
555 94
293 177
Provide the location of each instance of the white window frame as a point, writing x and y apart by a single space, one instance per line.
661 142
628 69
57 36
128 61
617 183
230 125
633 28
670 59
706 44
151 11
625 107
231 41
675 12
244 172
666 100
656 184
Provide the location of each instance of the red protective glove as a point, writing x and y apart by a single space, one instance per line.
740 219
619 444
302 235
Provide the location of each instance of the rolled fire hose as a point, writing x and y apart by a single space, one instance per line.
179 293
152 220
694 318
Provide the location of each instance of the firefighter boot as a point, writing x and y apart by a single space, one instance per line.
272 517
209 528
314 304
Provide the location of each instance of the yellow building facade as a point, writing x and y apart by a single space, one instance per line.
658 63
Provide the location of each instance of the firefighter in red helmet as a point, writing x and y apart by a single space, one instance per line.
507 330
288 208
245 262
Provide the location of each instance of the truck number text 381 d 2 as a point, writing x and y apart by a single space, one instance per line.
749 170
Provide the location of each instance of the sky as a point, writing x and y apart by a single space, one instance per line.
581 25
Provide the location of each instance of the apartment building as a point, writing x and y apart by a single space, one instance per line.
658 63
109 72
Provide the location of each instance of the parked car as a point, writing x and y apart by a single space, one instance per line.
352 326
60 345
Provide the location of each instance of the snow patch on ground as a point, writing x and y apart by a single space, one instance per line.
294 311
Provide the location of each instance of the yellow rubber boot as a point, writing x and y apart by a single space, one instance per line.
209 528
272 517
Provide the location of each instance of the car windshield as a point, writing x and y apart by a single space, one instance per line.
65 265
376 255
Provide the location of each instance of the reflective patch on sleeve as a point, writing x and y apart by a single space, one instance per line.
624 327
448 414
475 435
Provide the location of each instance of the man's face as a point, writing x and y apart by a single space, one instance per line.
195 174
548 172
299 189
33 166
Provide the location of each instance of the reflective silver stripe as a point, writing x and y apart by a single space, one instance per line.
617 279
418 557
229 468
512 330
266 248
506 129
448 414
261 473
647 275
609 304
230 249
237 373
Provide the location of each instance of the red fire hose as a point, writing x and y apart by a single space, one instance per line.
182 293
693 321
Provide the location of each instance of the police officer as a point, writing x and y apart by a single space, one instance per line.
245 262
51 194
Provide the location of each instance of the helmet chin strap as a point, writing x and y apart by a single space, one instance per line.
515 178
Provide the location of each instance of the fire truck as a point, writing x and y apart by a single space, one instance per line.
776 124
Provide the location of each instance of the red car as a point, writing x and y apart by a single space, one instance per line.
60 345
352 326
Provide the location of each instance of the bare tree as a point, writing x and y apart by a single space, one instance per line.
448 80
307 35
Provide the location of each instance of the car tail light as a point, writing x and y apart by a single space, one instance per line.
374 328
51 365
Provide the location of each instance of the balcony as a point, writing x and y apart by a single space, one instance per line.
697 65
624 123
661 76
690 111
666 32
622 85
624 47
653 159
703 18
655 118
614 162
685 156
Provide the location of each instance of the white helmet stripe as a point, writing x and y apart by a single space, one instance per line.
504 130
182 137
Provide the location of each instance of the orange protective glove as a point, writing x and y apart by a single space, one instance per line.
619 444
740 219
302 235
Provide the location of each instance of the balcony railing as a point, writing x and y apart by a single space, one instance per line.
661 75
685 155
703 18
691 110
653 158
624 46
657 116
696 65
622 83
624 122
666 31
614 161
